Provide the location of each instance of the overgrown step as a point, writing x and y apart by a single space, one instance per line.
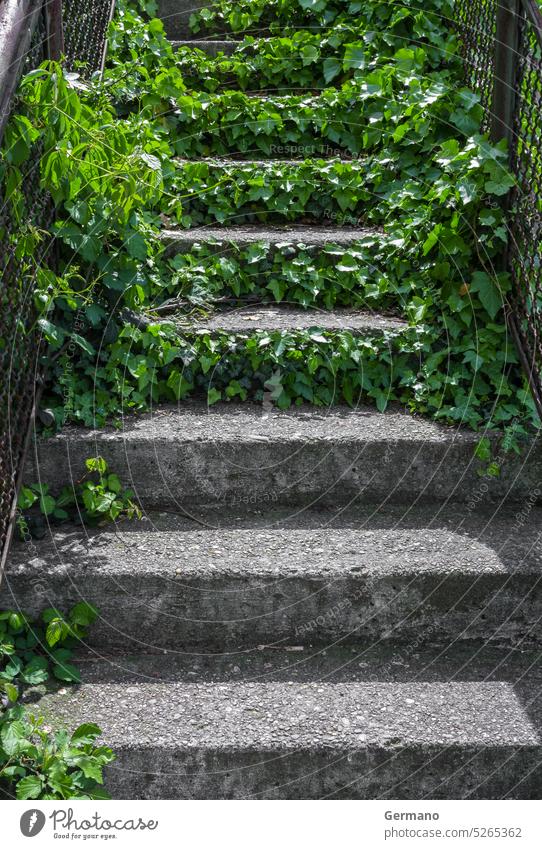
311 267
375 117
404 21
368 724
248 574
305 61
293 355
333 191
195 454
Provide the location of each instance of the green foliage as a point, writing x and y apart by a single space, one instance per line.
38 764
141 69
435 207
369 274
316 365
289 15
417 174
313 60
96 499
391 109
34 762
31 651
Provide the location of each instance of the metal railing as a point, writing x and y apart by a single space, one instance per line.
30 32
501 45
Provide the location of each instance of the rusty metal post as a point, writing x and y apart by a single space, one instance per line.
55 29
505 66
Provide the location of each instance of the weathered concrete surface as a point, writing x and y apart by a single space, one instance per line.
274 578
269 166
175 15
247 453
182 241
212 48
284 318
373 733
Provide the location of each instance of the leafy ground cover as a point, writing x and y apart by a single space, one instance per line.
96 499
389 146
286 16
35 762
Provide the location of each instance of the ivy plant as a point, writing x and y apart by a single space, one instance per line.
390 151
36 763
96 499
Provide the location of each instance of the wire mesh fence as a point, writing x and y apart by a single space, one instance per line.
32 34
501 45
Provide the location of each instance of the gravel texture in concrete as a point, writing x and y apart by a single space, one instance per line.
255 454
226 579
182 241
267 165
375 734
248 319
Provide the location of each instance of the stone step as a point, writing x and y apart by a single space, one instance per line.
249 574
195 454
252 354
267 730
212 48
182 241
289 319
314 268
285 191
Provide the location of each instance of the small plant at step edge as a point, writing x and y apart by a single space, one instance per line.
36 763
96 499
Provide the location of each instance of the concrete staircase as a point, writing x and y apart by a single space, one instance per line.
318 603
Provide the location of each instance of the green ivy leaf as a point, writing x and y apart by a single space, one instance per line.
36 672
488 292
213 395
83 614
67 672
86 733
29 787
13 737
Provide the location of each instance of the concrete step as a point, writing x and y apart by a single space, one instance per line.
318 237
252 354
195 454
361 270
249 574
289 319
288 190
212 48
199 731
